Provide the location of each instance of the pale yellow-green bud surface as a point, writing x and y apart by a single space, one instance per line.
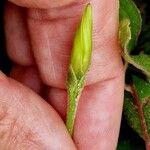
82 46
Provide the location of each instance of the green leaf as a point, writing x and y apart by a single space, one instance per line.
129 11
79 65
129 29
142 62
137 107
131 113
142 87
124 34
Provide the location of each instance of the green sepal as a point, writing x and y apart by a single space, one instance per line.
75 87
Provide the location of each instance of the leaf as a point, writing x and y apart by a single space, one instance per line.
137 108
131 113
142 87
141 62
130 27
129 11
79 65
124 34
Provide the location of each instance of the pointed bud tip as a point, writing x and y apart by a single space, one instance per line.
82 46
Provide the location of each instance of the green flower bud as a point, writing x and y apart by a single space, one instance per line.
80 61
82 46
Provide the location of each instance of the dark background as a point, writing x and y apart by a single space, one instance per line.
5 64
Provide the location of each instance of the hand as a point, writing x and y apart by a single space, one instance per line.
42 38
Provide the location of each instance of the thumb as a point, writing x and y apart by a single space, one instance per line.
42 3
27 122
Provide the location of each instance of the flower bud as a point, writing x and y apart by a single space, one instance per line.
82 46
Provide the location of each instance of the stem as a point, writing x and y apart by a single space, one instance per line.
72 109
142 119
74 92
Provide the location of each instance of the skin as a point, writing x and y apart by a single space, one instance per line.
39 42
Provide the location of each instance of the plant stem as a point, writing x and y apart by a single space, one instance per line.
73 96
72 109
142 119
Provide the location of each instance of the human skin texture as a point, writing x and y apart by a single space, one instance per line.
39 42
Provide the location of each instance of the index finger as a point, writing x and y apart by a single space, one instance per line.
41 3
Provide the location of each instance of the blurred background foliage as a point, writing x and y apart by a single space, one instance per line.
128 139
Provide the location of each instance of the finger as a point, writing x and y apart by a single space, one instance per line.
55 29
41 3
58 100
27 122
17 38
28 76
98 115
